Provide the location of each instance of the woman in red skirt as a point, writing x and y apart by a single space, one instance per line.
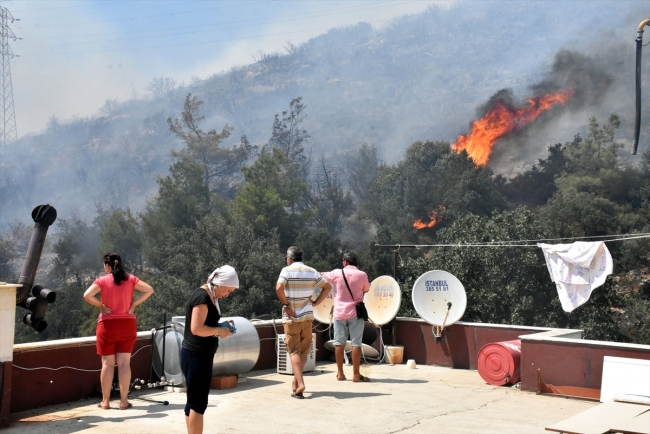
116 327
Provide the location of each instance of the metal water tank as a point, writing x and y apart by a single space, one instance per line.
235 355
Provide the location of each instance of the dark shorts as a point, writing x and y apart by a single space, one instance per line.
197 370
116 336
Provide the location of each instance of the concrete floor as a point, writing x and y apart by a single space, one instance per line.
425 400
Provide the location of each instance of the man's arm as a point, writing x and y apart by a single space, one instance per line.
279 290
366 283
323 294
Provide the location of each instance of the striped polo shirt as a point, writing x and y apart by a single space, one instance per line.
300 282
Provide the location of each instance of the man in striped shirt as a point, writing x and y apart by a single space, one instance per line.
295 289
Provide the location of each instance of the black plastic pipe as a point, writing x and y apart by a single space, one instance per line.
162 373
637 119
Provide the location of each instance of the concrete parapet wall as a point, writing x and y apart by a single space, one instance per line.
567 361
460 343
33 388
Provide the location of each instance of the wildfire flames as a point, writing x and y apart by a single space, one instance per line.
435 217
500 121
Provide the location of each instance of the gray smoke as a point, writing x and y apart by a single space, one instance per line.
571 70
587 76
504 96
603 83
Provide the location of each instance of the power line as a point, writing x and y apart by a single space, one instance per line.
219 28
167 14
127 3
191 43
184 2
623 237
212 41
67 7
227 22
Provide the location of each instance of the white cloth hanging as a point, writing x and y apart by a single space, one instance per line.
577 269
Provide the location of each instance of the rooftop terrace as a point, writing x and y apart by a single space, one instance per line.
52 386
425 400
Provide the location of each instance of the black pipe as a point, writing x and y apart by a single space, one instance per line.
153 346
137 380
637 119
43 216
150 400
162 373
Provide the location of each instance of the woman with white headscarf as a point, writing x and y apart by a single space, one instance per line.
200 341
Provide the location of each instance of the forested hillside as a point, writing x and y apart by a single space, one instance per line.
420 77
345 142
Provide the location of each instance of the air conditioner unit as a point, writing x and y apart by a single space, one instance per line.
284 359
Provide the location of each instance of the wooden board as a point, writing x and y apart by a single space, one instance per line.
638 425
600 418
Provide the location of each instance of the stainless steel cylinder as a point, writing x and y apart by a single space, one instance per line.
239 353
235 355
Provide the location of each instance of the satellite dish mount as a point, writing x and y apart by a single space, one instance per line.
437 330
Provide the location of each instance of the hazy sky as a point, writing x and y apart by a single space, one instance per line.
76 54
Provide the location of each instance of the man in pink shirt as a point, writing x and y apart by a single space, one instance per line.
346 296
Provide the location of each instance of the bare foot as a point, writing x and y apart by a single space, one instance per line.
294 385
300 389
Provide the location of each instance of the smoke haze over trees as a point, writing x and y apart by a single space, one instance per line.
344 142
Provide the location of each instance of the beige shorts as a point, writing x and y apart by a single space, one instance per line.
298 337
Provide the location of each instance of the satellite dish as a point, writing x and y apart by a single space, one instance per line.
439 298
366 350
383 300
323 310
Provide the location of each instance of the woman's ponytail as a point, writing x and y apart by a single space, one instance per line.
114 261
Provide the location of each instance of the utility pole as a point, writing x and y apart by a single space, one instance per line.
7 114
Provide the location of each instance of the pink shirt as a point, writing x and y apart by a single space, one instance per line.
343 303
117 298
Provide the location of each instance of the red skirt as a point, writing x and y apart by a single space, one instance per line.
116 336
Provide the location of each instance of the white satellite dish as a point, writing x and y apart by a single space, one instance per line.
366 350
323 310
383 300
439 298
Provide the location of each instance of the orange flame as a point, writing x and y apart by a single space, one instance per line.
502 120
434 216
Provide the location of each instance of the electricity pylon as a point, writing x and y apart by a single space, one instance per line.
7 114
